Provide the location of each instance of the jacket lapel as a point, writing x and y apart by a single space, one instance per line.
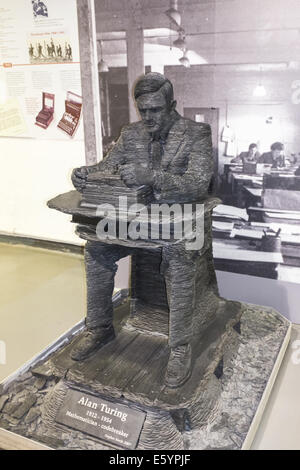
175 140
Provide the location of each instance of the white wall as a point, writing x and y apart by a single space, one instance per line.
32 172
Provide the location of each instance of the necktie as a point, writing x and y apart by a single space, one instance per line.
156 154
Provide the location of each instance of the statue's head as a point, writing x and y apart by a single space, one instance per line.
155 100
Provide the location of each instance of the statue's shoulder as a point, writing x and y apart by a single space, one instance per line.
194 126
132 129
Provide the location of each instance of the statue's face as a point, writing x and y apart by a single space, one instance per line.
154 111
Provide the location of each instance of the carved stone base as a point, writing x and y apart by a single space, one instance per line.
215 409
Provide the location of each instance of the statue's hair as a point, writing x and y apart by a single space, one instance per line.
153 82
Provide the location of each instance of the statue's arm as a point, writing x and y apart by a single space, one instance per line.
113 158
109 164
194 183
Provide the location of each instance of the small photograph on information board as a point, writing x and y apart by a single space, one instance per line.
39 9
49 47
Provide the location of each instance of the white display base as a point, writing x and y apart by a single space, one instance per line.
264 400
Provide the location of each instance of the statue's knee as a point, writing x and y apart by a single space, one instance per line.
103 255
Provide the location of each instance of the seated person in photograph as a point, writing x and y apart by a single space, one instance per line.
275 157
252 155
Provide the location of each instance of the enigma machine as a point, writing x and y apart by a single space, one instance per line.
70 120
45 116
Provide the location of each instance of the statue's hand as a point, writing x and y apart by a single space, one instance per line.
136 175
79 176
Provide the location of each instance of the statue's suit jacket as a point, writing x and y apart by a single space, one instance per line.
186 164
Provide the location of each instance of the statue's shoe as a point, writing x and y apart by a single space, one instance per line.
179 367
92 341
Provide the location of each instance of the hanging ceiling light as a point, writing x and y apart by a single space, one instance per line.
259 91
102 65
184 60
173 13
180 41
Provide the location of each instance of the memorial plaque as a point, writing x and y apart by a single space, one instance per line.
112 422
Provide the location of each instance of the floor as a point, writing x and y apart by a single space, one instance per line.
42 295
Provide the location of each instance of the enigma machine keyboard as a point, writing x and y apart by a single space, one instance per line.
70 120
45 116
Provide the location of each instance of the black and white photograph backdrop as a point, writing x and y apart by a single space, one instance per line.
234 65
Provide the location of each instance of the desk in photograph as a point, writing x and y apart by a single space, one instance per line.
252 196
237 246
244 256
238 181
228 167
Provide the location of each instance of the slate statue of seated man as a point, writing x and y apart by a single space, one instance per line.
173 155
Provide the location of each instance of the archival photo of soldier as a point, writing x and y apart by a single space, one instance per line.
45 49
39 9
